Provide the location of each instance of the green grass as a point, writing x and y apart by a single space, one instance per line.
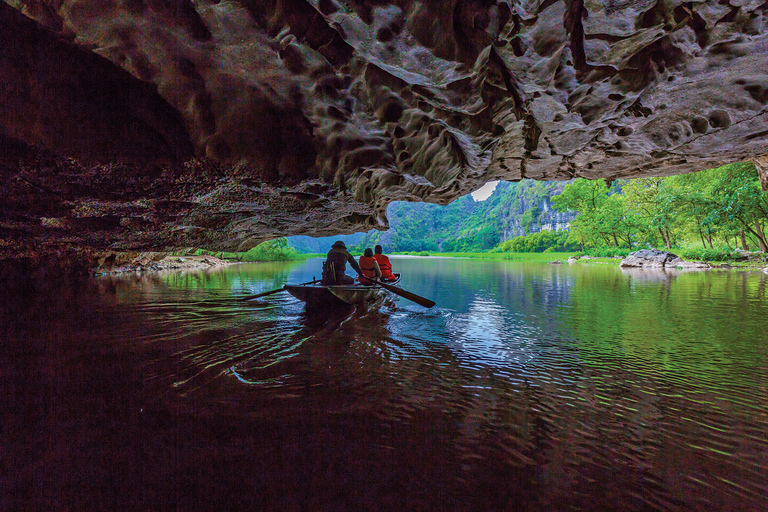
514 256
594 259
248 257
537 256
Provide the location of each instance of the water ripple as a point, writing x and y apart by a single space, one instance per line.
596 386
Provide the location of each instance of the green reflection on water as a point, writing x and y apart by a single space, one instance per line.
707 325
239 277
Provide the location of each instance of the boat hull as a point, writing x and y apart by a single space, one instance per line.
316 295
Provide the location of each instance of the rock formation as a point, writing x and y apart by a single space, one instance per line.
141 124
652 258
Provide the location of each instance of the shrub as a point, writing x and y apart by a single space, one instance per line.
272 250
551 241
706 254
607 252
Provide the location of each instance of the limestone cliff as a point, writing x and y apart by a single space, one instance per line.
137 124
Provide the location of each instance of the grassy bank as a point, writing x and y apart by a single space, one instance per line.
279 250
515 256
583 258
246 257
272 250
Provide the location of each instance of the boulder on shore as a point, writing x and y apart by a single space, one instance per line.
653 258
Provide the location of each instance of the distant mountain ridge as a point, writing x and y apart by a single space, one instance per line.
513 209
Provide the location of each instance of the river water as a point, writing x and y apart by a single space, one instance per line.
529 386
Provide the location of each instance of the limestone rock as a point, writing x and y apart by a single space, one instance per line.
121 263
651 258
692 265
141 124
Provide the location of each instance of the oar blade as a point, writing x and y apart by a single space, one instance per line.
421 301
249 297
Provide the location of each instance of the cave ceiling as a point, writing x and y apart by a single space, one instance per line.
157 124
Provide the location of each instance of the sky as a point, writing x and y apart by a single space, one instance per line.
484 192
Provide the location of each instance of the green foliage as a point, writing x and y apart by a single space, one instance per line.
414 253
602 218
219 254
534 256
543 241
607 252
464 225
271 250
723 206
720 253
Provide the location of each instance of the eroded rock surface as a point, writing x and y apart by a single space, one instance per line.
652 258
155 124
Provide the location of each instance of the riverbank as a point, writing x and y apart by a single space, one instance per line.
580 258
118 263
678 264
121 263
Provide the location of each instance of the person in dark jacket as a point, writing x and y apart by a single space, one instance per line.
335 265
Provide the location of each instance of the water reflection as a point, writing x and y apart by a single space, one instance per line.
528 387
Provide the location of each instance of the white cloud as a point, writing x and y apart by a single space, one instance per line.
485 191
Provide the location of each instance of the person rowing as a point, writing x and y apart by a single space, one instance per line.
335 264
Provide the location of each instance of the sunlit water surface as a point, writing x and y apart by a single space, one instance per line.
528 387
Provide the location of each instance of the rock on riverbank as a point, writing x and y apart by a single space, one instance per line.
653 258
118 263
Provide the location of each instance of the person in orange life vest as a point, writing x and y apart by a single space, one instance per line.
335 265
369 267
384 264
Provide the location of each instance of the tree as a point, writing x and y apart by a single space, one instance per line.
271 250
726 202
735 198
601 219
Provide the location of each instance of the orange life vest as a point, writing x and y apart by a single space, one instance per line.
366 265
385 266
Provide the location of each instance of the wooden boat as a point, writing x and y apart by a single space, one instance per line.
315 294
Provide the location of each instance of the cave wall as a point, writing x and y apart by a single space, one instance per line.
139 124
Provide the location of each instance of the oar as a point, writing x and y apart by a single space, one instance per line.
408 295
249 297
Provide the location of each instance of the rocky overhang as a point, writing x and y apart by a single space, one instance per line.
158 124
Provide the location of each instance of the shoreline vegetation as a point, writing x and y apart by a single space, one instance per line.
748 261
716 215
200 259
710 219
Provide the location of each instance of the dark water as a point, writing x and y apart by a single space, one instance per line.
528 387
